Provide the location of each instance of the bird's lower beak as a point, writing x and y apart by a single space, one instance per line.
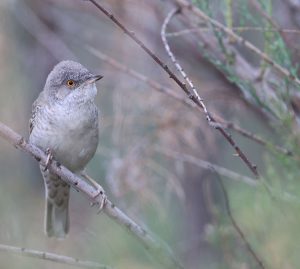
94 79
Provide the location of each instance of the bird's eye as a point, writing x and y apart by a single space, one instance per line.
70 83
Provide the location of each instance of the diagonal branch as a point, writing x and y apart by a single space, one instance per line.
211 121
179 67
191 95
222 171
153 245
51 257
237 29
208 166
238 229
183 100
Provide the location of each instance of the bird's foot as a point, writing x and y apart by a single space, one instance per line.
100 197
49 158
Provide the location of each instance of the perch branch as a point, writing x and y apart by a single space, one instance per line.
153 245
51 257
194 97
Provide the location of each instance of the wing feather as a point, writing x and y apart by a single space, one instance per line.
36 107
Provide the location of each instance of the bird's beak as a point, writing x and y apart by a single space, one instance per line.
94 79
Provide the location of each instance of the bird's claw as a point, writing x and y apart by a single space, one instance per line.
99 198
49 158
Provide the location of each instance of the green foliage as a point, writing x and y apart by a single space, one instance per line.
269 218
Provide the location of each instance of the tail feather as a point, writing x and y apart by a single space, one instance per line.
56 220
57 205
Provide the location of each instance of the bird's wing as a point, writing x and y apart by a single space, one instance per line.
36 107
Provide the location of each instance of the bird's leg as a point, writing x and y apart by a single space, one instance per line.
91 180
99 191
49 158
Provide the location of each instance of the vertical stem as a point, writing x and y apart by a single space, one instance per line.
229 16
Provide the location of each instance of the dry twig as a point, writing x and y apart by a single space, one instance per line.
212 122
183 100
193 96
51 257
222 171
153 245
207 165
237 29
238 229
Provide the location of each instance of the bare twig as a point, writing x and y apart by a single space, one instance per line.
222 171
152 83
237 38
153 245
196 99
237 29
238 229
179 67
183 100
211 121
51 257
207 165
255 137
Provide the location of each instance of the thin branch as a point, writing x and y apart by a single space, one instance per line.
237 29
264 14
270 20
183 100
208 166
237 38
238 229
152 244
222 171
182 85
256 138
211 121
51 257
152 83
179 67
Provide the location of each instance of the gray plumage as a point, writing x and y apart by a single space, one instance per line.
65 121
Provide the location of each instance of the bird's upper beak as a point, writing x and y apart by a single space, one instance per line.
94 78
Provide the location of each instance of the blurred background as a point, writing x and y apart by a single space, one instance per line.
152 147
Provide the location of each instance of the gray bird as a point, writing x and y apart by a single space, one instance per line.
65 122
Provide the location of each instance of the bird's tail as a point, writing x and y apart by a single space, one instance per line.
57 205
57 220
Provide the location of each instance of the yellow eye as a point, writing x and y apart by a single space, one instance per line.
70 83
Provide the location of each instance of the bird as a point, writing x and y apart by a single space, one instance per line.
64 124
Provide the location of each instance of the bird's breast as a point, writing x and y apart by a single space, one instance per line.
70 134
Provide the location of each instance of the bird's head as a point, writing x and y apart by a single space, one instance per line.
70 80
